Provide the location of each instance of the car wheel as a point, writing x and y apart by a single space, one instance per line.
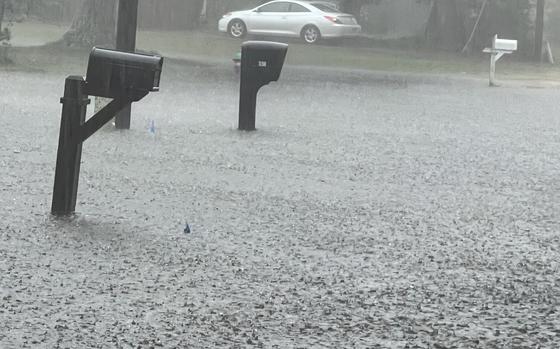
310 34
237 29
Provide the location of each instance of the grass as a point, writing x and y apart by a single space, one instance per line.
208 46
35 33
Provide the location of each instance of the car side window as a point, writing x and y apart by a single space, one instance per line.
276 7
298 8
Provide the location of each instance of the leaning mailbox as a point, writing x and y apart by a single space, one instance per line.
499 48
116 74
124 77
261 63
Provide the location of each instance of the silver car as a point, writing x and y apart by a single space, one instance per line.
310 20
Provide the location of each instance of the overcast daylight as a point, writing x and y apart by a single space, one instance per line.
280 174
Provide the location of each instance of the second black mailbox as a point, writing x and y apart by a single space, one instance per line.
261 63
117 74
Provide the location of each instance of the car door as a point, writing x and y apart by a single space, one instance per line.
296 18
269 19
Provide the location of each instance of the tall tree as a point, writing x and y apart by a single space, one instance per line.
93 25
193 15
445 26
3 6
539 31
353 7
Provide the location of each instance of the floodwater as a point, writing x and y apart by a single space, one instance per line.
367 210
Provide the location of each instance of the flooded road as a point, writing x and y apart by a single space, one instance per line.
367 210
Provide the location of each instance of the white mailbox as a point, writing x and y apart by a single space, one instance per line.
505 45
499 48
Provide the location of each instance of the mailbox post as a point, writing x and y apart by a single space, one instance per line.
124 77
499 48
74 104
127 24
261 63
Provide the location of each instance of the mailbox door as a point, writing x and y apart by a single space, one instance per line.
263 61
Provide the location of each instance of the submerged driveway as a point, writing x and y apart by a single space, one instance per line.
366 211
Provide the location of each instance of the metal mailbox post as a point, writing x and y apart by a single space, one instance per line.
261 63
124 77
499 48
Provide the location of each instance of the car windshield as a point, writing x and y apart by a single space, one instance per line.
325 7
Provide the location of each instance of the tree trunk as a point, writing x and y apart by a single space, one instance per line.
2 11
352 7
539 31
445 28
193 16
94 25
475 27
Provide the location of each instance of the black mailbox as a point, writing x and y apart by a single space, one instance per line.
124 77
116 74
261 63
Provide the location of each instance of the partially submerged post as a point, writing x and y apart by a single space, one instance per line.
125 78
499 48
127 23
74 105
261 63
